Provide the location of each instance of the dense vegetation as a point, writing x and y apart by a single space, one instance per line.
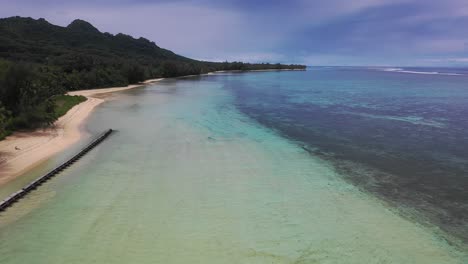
39 61
63 103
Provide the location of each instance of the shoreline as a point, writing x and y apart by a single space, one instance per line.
23 151
265 70
36 147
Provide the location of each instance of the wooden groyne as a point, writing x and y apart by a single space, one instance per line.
7 202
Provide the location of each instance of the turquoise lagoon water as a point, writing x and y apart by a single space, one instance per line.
201 171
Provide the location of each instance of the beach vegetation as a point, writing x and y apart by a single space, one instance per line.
40 62
63 103
4 122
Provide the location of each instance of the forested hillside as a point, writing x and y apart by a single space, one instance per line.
39 61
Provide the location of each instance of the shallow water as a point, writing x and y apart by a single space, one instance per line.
400 135
188 178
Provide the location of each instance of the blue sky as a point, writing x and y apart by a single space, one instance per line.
331 32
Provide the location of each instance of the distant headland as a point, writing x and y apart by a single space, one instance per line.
40 61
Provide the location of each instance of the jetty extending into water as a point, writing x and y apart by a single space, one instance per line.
10 200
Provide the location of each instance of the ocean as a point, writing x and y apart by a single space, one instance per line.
399 133
328 165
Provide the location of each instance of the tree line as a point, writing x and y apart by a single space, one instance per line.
39 62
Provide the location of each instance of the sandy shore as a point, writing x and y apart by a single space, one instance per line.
22 151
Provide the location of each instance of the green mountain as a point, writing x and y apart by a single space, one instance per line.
40 61
79 46
82 47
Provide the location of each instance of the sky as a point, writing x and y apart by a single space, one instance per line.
312 32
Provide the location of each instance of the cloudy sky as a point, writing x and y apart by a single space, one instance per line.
331 32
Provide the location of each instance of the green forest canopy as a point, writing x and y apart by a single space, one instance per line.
40 61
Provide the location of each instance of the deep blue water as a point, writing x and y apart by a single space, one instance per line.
399 133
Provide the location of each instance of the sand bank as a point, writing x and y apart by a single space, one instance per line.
22 151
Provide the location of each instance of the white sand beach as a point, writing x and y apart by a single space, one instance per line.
23 151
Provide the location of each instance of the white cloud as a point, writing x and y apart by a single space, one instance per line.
222 32
187 29
325 11
249 57
448 60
